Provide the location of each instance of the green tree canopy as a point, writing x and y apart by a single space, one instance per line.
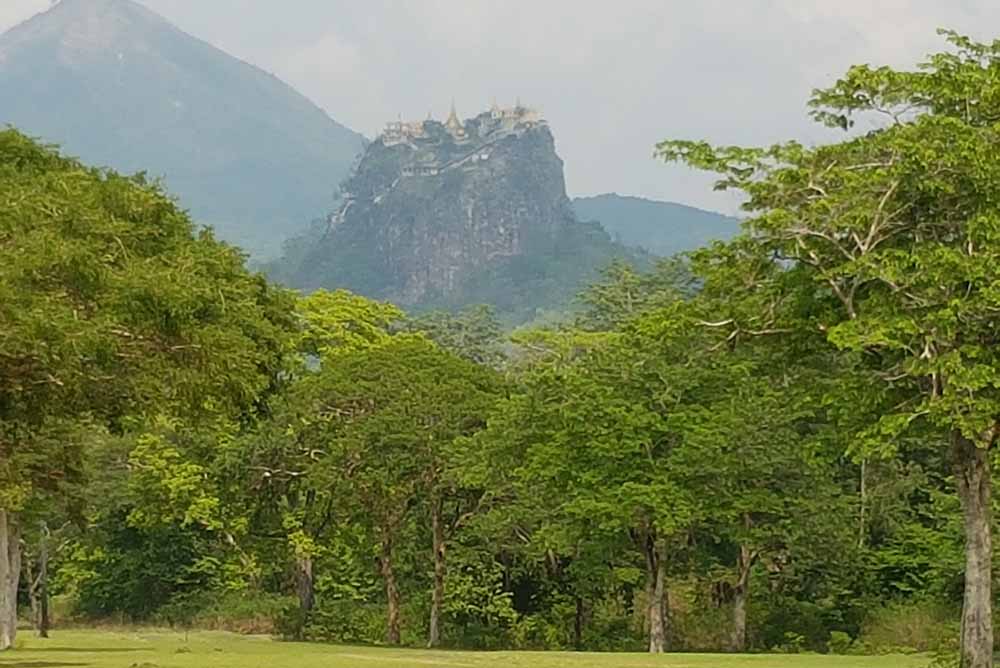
897 231
112 307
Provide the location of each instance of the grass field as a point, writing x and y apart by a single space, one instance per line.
105 649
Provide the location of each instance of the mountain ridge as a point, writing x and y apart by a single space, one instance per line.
118 85
660 227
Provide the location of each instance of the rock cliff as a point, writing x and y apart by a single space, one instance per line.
447 214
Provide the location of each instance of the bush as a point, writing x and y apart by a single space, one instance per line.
351 622
789 625
360 623
238 612
701 628
138 571
609 630
794 643
910 627
839 643
243 612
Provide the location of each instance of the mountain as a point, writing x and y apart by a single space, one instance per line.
662 228
117 85
442 215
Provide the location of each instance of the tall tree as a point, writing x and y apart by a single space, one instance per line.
286 491
474 333
388 413
589 430
899 229
110 306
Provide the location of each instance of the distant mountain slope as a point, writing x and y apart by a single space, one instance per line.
117 85
662 228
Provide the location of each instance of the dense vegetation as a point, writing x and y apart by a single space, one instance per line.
774 443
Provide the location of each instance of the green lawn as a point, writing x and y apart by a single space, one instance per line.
106 649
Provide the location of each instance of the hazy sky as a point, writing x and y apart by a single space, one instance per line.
612 76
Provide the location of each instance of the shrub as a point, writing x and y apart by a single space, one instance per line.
351 622
910 627
794 643
243 612
703 628
361 623
839 643
238 612
790 625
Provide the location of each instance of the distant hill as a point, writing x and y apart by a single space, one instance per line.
662 228
117 85
444 215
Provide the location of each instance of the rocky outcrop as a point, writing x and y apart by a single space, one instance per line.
445 214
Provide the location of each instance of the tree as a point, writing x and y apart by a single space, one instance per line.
110 306
473 333
625 293
897 230
757 440
589 431
388 413
339 321
287 493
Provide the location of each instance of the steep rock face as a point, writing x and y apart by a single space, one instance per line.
118 85
427 215
446 214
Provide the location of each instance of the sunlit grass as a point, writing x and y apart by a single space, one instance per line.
154 649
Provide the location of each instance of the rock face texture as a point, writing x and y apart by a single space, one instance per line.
118 85
447 214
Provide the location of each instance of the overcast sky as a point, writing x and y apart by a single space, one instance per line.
612 76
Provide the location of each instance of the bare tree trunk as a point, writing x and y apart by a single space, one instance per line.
863 514
32 580
437 598
668 620
305 585
972 473
393 635
10 576
42 588
656 571
578 625
741 594
305 590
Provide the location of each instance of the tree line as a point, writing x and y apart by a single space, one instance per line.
758 445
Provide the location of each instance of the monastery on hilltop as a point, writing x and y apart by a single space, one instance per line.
492 125
431 148
409 152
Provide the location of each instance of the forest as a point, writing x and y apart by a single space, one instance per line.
778 443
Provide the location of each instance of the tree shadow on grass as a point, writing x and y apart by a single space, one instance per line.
39 664
81 650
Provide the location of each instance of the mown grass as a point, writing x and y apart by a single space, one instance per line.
154 649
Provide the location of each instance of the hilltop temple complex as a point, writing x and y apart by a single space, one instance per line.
491 125
434 147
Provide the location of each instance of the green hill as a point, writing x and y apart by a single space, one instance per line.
117 85
662 228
